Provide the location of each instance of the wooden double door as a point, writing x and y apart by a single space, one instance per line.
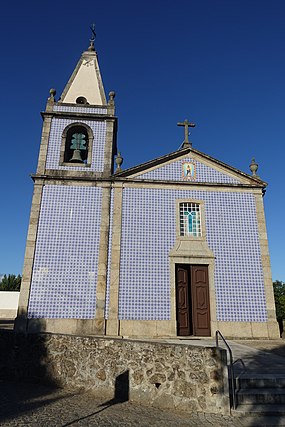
192 300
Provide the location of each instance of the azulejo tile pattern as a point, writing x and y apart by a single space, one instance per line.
148 234
174 172
78 109
64 276
55 139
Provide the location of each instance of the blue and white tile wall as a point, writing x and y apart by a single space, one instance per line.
78 109
148 234
173 172
55 140
65 268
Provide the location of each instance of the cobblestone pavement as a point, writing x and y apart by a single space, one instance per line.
29 405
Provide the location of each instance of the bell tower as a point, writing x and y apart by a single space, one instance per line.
64 276
80 128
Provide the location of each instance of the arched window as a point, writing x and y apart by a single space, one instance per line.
76 145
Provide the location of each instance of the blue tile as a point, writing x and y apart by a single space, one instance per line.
147 239
55 139
65 268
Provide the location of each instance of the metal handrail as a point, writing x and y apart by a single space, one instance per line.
241 361
231 368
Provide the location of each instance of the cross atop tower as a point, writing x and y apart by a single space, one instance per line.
186 125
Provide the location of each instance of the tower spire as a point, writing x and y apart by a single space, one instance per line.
85 84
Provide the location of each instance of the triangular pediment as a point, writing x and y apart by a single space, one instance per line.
190 165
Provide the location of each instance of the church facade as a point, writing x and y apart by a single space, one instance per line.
173 247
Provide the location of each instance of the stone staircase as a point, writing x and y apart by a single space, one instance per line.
258 379
260 394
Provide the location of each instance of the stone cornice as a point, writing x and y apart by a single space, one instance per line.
77 115
58 176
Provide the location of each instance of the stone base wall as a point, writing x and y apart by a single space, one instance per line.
8 304
248 330
173 376
146 329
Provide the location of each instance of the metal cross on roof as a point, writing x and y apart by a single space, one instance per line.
186 125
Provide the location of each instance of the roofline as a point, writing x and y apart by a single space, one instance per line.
153 162
225 165
178 153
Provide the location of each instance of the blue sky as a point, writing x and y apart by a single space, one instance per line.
219 63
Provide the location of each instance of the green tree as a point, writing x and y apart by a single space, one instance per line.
10 282
279 295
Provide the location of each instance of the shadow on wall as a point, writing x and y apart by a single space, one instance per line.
22 355
30 326
23 361
121 395
122 387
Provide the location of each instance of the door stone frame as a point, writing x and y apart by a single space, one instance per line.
192 251
207 259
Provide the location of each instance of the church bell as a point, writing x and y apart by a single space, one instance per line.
76 158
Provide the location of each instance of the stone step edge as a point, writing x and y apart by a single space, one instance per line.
260 391
260 410
258 376
260 386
